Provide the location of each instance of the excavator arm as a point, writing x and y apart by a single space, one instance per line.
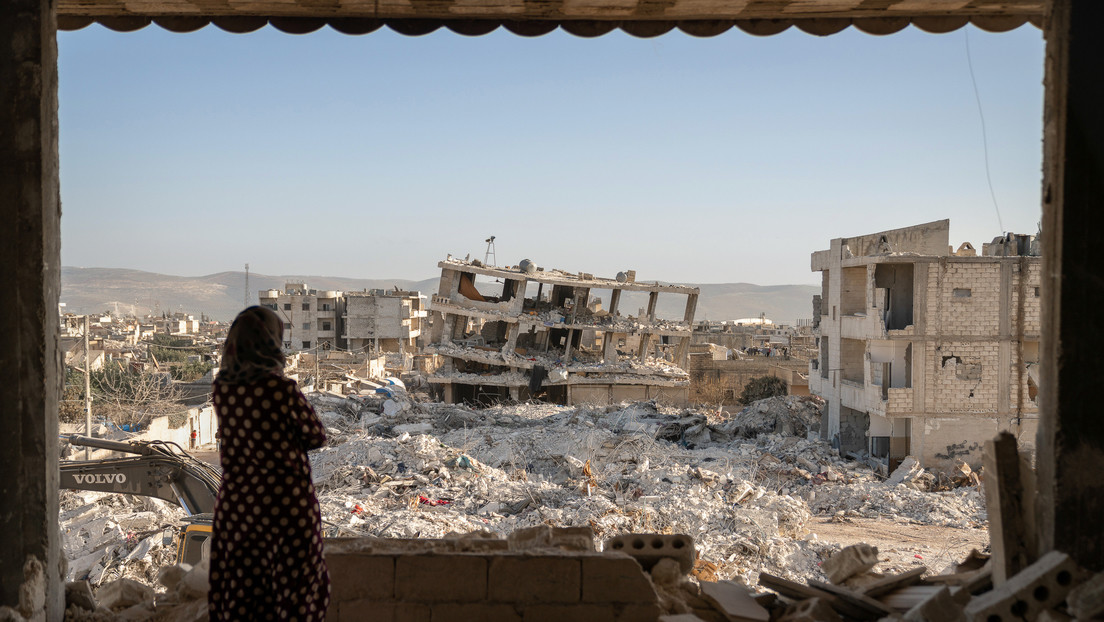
159 470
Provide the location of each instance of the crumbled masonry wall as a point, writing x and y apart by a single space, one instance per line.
930 238
605 394
854 425
733 374
488 585
963 377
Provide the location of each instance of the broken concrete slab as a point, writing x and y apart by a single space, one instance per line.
79 593
733 601
123 593
892 582
850 561
810 610
938 606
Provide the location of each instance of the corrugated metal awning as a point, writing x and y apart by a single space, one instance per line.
584 18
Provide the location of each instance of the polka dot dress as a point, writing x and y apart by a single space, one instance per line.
266 549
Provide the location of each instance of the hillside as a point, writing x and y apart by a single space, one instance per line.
220 296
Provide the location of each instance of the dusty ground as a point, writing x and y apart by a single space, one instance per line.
899 543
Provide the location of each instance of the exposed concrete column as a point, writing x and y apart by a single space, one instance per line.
30 206
1071 439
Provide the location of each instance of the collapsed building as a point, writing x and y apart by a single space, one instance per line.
926 351
547 336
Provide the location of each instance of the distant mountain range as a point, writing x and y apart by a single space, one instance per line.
220 296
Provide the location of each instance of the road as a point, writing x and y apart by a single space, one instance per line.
900 543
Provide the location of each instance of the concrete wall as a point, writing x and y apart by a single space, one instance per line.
202 420
617 393
942 440
485 585
30 205
931 238
734 374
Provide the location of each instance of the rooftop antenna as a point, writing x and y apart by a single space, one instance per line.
247 285
490 252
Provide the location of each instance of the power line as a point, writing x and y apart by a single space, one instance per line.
984 134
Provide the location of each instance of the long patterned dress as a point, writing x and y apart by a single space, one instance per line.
266 548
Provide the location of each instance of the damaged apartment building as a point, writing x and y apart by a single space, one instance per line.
547 336
372 320
924 350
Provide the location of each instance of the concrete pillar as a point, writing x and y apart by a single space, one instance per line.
1071 437
30 207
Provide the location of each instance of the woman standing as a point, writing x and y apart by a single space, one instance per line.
266 551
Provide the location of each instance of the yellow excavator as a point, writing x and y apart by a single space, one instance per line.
157 469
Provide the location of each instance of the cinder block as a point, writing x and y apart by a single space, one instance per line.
375 611
1038 587
441 578
576 613
474 612
539 579
356 576
649 548
616 578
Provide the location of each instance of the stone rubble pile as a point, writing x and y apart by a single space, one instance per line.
397 466
744 491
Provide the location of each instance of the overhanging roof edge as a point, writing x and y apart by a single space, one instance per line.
536 26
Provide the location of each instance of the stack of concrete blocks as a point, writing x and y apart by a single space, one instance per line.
537 575
1026 595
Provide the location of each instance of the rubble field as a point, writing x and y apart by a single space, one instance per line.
755 493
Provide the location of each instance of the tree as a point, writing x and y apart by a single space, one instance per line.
761 388
120 394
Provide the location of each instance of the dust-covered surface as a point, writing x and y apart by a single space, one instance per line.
751 489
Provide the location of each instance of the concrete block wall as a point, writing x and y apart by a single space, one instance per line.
900 401
964 377
853 290
487 585
979 314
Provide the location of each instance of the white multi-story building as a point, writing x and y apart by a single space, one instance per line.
382 320
925 351
310 316
377 320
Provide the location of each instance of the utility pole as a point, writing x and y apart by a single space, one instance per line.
246 285
87 391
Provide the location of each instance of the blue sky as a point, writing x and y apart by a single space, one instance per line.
711 160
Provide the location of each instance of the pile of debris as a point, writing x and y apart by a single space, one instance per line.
1053 588
182 597
397 466
745 491
107 536
789 415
